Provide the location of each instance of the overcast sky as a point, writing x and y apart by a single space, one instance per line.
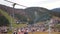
49 4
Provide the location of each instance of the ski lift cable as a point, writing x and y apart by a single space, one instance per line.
15 3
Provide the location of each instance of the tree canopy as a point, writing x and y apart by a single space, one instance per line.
4 21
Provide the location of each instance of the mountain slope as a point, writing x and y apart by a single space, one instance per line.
56 9
34 13
38 13
56 12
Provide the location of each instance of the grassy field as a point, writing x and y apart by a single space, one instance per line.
44 33
41 33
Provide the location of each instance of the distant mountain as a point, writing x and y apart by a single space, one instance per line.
56 9
56 12
34 13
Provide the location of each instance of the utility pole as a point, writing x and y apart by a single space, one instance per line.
13 8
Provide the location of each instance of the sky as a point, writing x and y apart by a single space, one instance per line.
49 4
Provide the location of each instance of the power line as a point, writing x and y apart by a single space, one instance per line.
15 3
